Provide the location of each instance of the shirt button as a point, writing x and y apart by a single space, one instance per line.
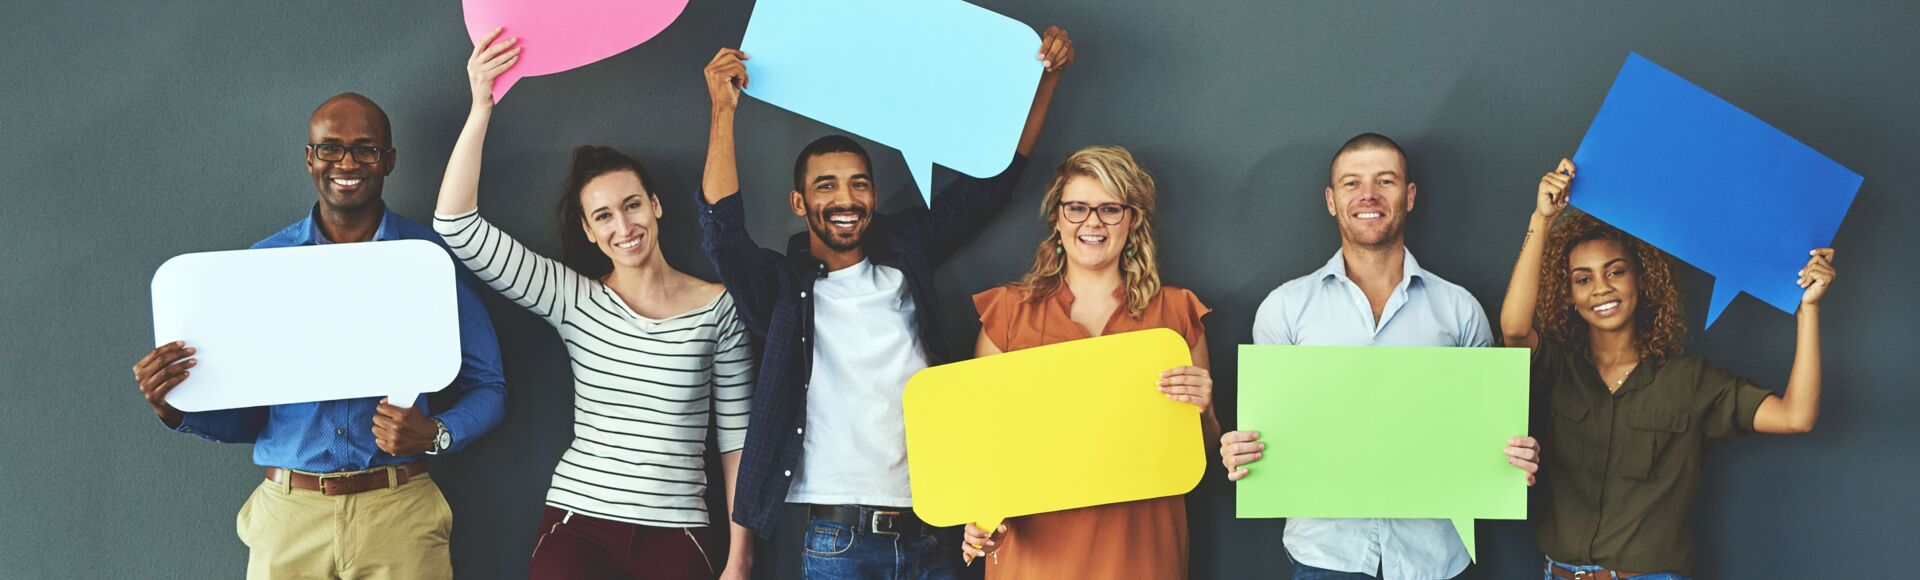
803 293
339 431
800 430
788 473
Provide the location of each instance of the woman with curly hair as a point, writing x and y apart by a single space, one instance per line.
1096 273
1631 415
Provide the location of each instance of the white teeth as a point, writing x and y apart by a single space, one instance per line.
1607 307
1369 215
843 219
346 182
1093 239
628 245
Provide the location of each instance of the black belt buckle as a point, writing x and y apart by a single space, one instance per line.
884 523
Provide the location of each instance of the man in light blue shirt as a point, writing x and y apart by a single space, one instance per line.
1372 292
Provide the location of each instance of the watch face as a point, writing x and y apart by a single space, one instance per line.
443 439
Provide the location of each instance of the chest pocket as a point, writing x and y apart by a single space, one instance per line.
1649 435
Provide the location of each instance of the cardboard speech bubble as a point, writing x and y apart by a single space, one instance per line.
1692 174
1384 432
562 35
1098 395
310 323
941 80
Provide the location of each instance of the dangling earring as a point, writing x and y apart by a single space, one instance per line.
1059 248
1129 248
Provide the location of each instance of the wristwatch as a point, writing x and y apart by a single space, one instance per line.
442 438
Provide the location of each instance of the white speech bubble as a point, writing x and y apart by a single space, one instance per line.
311 323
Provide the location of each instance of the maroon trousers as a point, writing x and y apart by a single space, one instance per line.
582 546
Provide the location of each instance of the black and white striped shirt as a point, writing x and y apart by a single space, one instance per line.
643 388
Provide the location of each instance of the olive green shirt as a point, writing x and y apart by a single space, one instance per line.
1621 469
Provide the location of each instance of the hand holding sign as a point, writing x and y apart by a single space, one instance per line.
566 34
303 324
1132 441
1428 424
1710 184
949 81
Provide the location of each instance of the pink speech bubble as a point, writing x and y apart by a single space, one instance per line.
561 35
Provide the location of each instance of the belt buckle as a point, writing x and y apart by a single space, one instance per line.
325 477
891 518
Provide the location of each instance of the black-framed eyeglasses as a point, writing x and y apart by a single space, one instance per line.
1110 213
333 153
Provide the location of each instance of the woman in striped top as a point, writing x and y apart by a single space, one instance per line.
654 352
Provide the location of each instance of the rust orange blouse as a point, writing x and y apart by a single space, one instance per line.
1139 539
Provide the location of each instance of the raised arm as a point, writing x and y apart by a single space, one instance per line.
460 187
1523 291
1796 411
1056 52
726 75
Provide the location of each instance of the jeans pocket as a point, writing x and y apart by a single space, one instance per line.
826 539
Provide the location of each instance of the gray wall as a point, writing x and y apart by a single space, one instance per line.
136 132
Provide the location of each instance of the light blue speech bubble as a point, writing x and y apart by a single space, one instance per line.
941 80
1692 174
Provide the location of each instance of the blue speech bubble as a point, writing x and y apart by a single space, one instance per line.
1681 169
940 80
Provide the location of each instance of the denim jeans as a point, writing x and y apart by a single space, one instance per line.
1548 575
1305 572
835 551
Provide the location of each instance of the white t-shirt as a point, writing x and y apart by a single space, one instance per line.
866 344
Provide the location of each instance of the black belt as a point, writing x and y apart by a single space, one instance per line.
878 521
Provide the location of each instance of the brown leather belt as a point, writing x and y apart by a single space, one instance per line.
383 477
1559 572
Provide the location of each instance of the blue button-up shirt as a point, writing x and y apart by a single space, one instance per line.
334 436
773 296
1327 308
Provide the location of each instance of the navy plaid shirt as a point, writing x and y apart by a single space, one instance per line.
773 295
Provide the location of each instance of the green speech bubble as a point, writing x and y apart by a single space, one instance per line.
1384 432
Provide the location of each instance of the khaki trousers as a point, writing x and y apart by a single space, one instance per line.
389 533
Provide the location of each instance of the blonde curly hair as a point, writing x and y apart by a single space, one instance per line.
1659 322
1116 171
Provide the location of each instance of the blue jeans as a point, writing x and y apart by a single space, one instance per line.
835 551
1572 568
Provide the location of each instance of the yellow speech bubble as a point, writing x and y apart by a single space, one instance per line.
1051 428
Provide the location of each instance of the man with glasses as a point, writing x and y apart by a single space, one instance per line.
346 492
845 316
1371 293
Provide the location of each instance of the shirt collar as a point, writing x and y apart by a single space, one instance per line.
310 234
1337 268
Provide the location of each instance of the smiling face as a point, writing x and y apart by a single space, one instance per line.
1092 244
838 201
349 120
620 217
1370 197
1602 284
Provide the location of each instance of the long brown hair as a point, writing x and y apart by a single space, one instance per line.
1123 177
1659 323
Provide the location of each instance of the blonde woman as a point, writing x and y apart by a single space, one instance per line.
1095 274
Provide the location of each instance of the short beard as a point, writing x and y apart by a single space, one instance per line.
818 223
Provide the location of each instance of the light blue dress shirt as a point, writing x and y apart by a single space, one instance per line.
1327 308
